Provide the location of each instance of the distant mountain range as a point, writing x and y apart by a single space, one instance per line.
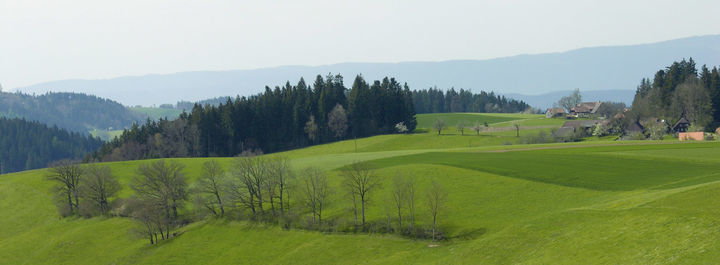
590 69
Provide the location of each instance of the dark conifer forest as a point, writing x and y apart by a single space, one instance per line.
294 116
29 145
434 100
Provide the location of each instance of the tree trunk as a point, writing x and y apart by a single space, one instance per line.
222 209
399 218
174 208
70 203
362 201
77 200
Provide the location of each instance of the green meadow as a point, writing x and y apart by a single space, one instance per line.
592 202
157 113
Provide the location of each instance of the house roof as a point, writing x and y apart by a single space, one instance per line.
681 121
565 131
556 110
634 128
586 107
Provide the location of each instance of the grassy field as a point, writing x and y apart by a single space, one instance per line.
105 135
595 202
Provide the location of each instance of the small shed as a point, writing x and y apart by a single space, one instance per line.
697 136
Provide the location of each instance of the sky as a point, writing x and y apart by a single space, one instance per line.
88 39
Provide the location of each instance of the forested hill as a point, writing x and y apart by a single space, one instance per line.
294 116
29 145
279 119
72 111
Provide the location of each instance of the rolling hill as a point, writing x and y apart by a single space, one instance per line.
596 68
631 202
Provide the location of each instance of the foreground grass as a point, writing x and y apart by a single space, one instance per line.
601 202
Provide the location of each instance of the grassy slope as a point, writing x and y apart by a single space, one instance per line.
594 203
105 134
451 119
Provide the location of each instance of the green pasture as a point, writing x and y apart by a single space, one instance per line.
157 113
105 134
426 121
594 202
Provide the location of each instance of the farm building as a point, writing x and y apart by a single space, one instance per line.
585 109
681 125
554 112
634 128
570 127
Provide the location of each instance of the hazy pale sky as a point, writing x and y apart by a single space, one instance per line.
89 39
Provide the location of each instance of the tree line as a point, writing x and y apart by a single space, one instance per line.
278 119
253 188
28 145
679 91
434 100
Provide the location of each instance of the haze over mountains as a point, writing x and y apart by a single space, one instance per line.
589 69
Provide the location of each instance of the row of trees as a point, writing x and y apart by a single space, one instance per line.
255 188
279 119
439 125
434 100
260 189
679 91
28 145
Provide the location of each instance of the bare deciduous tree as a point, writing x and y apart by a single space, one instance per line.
153 221
478 127
338 121
360 181
461 127
439 125
315 190
163 183
67 174
209 187
436 197
403 197
570 101
281 176
249 183
98 186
